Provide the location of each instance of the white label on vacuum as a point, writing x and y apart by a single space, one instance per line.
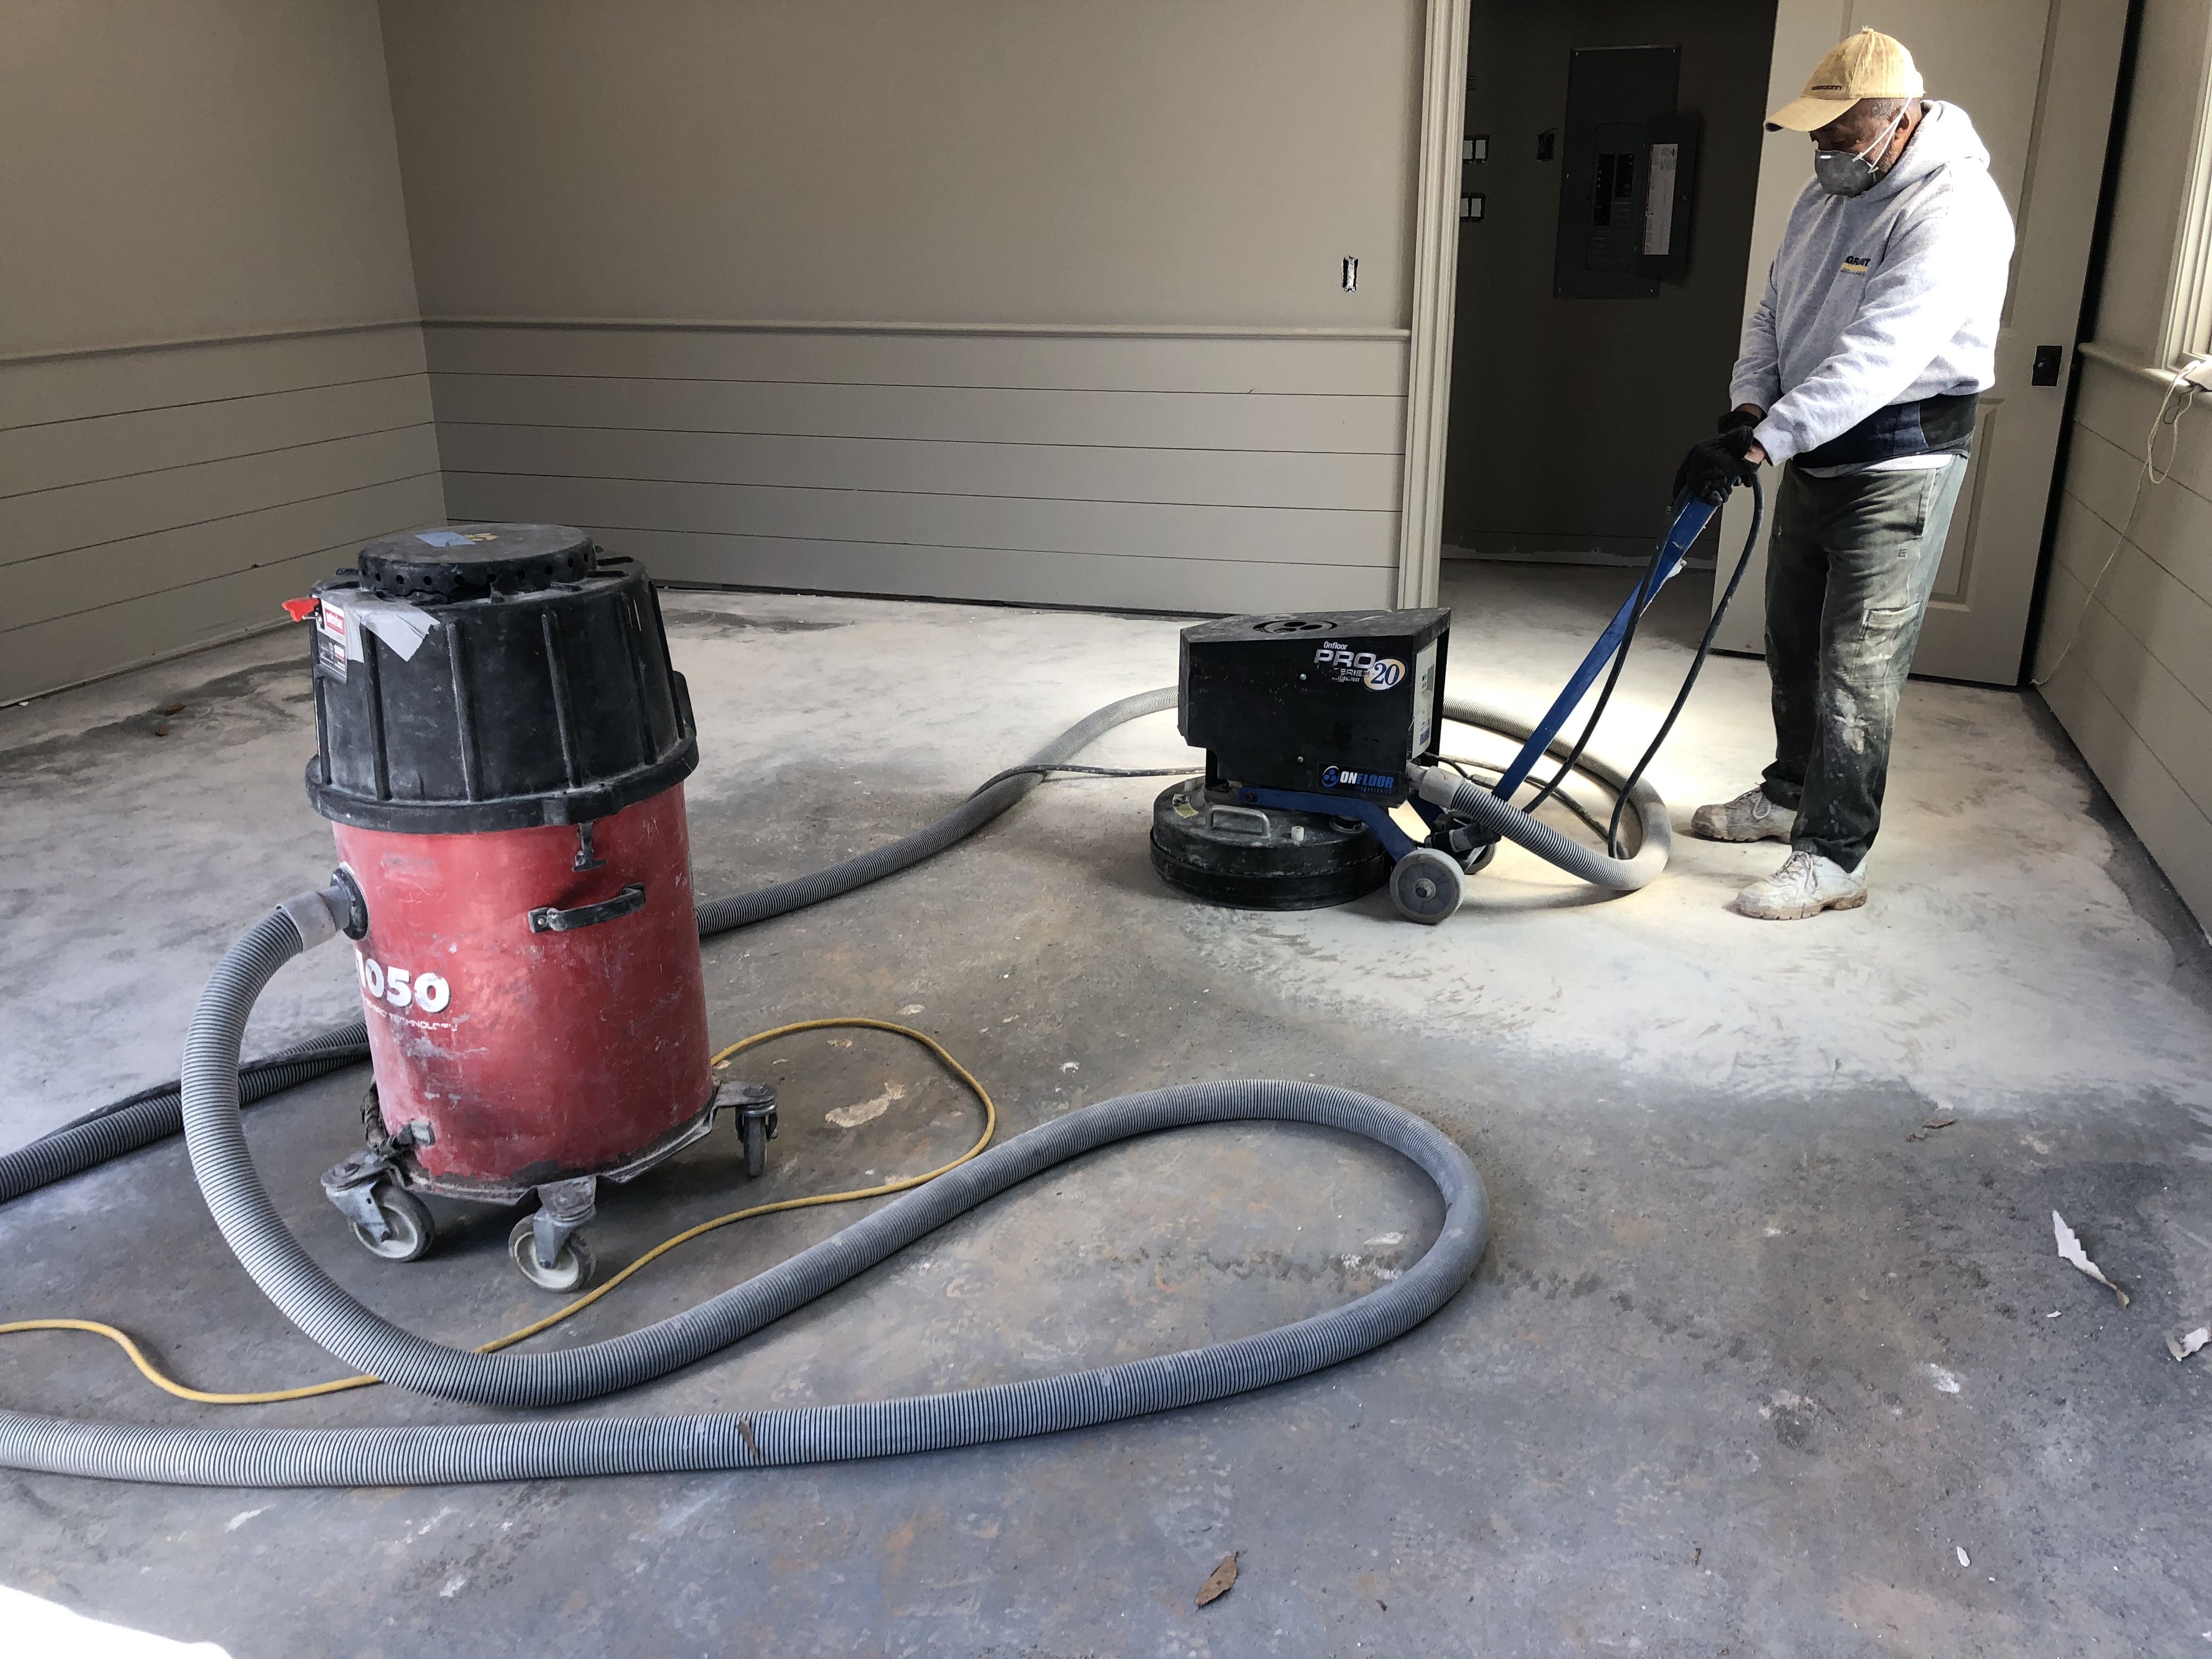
401 988
1424 698
331 640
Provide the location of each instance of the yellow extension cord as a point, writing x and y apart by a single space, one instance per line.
339 1385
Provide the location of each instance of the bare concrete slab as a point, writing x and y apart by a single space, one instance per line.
1744 1369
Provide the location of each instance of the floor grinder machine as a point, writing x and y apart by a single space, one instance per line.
1316 726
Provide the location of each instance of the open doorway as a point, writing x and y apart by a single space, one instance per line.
1608 178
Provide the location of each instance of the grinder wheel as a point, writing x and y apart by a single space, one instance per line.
1207 843
1427 885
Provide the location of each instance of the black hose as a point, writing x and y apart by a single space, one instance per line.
611 1445
1698 662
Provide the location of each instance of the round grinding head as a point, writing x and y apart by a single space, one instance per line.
470 561
1261 858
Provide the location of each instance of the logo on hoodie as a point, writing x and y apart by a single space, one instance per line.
1855 264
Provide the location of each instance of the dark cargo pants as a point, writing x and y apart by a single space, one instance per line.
1848 574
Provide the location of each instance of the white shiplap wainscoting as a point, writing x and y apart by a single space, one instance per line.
158 498
1147 469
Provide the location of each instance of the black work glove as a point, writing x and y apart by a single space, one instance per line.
1716 466
1734 418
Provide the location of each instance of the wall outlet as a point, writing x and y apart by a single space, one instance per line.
2198 373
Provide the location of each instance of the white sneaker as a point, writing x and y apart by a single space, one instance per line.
1805 885
1749 816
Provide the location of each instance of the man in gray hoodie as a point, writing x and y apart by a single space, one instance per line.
1859 375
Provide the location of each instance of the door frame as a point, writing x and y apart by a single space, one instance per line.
1436 252
1435 282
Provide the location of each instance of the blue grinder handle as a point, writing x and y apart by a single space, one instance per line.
1689 523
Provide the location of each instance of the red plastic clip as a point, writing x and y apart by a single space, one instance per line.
301 609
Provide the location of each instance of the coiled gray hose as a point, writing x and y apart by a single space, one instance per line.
1479 805
155 1114
566 1448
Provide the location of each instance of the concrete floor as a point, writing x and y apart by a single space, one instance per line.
1744 1372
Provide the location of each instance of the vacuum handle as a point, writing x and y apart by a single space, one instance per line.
546 919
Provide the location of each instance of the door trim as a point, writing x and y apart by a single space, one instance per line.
1436 281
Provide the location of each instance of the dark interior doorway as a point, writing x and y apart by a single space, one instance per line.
1613 159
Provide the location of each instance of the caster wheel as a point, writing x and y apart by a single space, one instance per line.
1481 861
412 1230
1427 885
755 1131
571 1270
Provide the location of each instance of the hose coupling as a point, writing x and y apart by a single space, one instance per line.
338 908
1437 784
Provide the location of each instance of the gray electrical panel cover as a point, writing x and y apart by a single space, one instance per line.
1613 93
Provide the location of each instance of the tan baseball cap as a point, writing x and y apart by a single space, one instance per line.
1869 64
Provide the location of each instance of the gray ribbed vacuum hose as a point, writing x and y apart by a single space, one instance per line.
565 1449
1589 864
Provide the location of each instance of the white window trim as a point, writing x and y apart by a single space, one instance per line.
2186 328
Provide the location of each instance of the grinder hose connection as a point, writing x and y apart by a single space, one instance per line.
1485 811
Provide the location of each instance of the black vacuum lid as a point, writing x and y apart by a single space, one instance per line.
470 561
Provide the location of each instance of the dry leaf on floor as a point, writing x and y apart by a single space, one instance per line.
1930 1127
2071 1247
2182 1347
1217 1581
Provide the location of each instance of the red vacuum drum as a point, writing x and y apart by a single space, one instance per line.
502 746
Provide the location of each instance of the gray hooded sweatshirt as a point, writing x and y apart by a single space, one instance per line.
1881 299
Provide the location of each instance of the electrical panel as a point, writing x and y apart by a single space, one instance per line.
1626 191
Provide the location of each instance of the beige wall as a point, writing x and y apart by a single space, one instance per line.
1065 279
179 172
2129 671
1083 161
